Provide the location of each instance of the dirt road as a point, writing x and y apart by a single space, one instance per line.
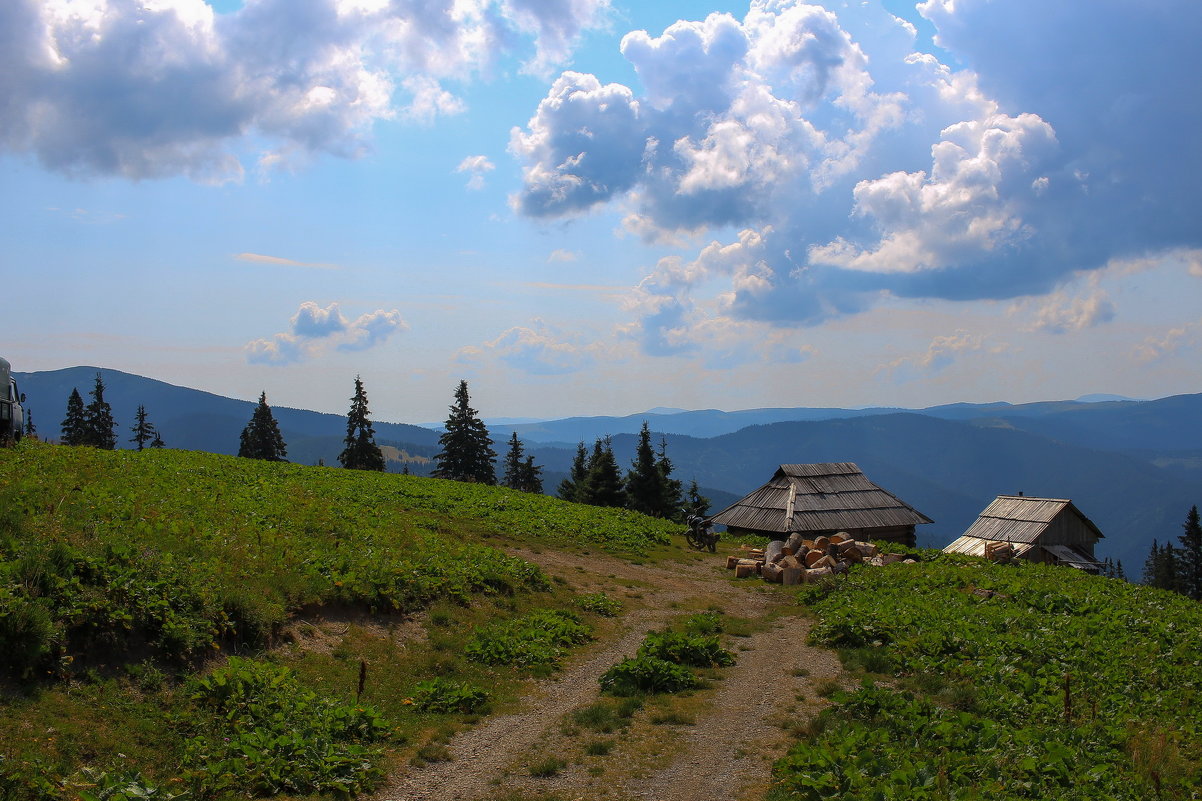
716 744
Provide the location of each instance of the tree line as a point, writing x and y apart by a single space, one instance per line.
1178 568
93 424
466 453
647 487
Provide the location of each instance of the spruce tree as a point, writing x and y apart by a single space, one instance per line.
513 464
98 420
1162 568
644 489
669 488
570 488
157 442
361 451
31 430
467 453
1190 555
261 439
143 430
73 426
531 477
603 485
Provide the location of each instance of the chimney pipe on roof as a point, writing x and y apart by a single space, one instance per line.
1020 493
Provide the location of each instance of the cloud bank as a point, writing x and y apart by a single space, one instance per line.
157 88
316 329
855 167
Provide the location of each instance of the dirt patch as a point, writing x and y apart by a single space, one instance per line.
322 632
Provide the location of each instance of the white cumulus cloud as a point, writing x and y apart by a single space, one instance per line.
315 328
477 167
537 349
867 168
157 89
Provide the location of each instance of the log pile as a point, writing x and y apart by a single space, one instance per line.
1000 552
801 561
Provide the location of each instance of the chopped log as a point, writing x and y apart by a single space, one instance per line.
808 544
731 561
772 572
853 555
825 561
795 542
822 543
867 549
847 546
773 551
813 556
999 551
791 575
845 536
837 539
817 574
791 562
744 570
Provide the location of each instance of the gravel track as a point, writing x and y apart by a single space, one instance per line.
726 755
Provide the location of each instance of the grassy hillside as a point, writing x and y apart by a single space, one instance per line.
1004 682
184 625
123 574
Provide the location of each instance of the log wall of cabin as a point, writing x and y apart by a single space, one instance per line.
1068 529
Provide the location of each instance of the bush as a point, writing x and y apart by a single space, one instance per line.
443 695
262 733
599 604
704 623
536 638
646 674
695 650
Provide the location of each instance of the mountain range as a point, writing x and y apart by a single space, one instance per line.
1134 467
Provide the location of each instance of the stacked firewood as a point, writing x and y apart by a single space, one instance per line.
800 561
1000 552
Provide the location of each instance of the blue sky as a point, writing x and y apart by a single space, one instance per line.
598 207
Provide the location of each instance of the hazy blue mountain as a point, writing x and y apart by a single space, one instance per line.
699 423
948 469
195 420
1168 424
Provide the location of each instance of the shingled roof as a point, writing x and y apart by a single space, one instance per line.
833 496
1020 519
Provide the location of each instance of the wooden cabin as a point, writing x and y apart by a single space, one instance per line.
1046 530
822 499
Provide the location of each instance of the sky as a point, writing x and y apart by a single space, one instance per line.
589 207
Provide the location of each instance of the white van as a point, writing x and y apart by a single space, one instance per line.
12 416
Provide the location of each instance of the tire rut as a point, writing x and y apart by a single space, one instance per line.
726 754
485 752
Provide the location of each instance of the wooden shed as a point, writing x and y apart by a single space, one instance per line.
1048 530
822 499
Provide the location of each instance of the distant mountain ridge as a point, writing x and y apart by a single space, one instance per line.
192 419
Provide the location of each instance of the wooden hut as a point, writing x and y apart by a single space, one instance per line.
1048 530
822 499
